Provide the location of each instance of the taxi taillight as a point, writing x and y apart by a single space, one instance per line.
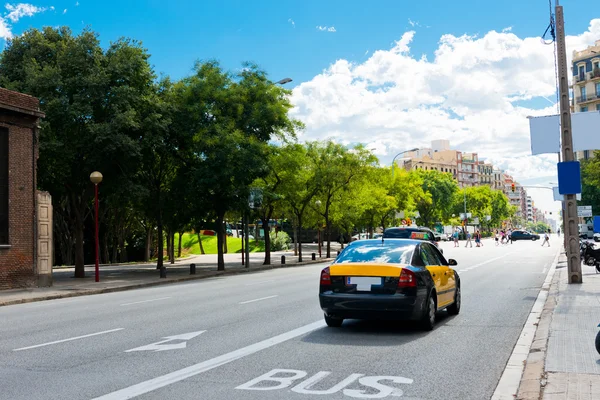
325 277
407 278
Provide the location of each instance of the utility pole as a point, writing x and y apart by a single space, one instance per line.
570 214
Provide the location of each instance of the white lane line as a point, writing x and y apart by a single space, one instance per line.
510 380
486 262
69 339
196 369
145 301
262 298
258 283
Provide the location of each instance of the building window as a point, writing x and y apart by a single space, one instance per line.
3 185
583 93
597 107
584 109
597 89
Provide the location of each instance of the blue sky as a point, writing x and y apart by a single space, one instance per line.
178 32
357 69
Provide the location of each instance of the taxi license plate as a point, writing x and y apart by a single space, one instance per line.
364 283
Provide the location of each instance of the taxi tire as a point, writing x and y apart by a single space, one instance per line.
428 319
454 309
333 322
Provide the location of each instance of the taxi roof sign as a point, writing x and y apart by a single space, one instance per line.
418 235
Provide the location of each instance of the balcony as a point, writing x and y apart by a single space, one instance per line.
588 98
588 76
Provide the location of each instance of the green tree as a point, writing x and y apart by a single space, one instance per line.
91 99
438 206
229 119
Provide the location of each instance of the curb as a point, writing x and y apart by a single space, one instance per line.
525 366
211 274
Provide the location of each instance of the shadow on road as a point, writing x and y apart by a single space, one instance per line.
386 333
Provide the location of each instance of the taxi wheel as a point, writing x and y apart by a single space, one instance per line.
454 309
428 320
333 322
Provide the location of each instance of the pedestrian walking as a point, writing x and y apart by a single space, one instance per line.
546 239
496 237
509 237
469 242
558 232
478 239
455 237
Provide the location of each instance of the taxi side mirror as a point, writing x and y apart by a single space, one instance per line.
452 262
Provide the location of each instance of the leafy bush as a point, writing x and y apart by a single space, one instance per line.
280 242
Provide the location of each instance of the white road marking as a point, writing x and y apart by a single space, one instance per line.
545 268
159 346
262 298
258 283
69 339
486 262
196 369
145 301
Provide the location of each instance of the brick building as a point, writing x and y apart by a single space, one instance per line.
22 233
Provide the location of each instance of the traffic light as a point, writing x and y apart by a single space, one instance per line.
513 187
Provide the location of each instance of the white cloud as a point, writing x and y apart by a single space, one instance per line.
77 4
291 21
474 91
326 28
14 13
65 11
366 52
413 23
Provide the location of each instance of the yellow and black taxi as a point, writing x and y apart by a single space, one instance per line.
389 279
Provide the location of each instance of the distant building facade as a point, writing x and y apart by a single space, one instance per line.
586 85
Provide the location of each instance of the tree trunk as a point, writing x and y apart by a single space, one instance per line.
295 240
115 250
225 249
200 243
328 232
105 251
266 229
220 258
148 243
79 262
179 246
300 241
173 247
168 240
161 244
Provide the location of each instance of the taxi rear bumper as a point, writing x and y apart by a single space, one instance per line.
372 306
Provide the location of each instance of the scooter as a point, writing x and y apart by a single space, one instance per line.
590 255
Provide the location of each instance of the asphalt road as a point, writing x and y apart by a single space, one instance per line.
262 336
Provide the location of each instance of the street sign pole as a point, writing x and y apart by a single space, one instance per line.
570 215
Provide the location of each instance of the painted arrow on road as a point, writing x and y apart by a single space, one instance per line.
161 346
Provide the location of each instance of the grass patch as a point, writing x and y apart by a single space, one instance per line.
190 246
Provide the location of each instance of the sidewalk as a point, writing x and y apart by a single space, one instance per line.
131 276
563 362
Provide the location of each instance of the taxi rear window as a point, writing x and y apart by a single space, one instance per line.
379 253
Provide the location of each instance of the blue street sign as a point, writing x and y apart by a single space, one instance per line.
569 177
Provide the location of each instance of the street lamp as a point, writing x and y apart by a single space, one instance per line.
318 204
402 152
96 178
283 81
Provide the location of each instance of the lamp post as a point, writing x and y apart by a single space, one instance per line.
402 152
318 204
96 178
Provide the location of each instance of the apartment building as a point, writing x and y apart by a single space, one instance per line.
467 165
529 206
586 85
486 174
